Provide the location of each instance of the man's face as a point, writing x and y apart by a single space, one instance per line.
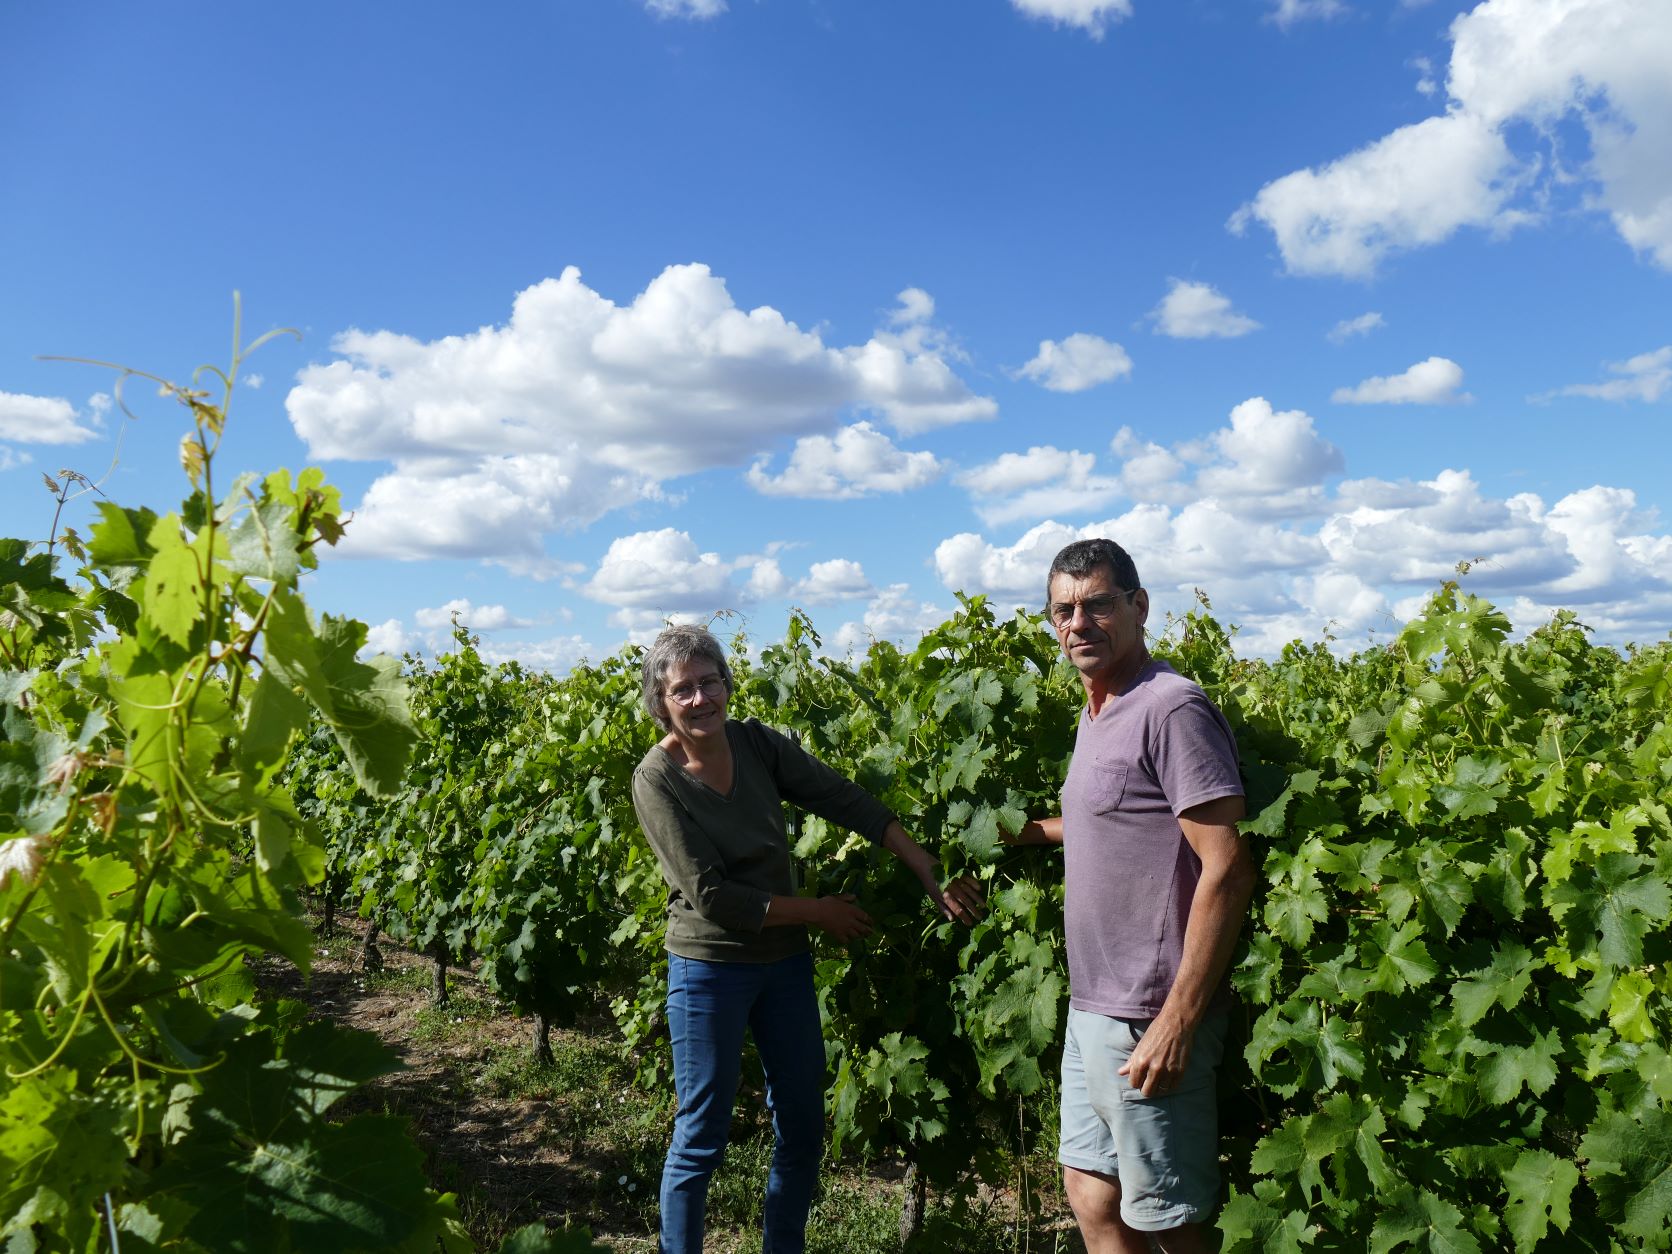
1102 633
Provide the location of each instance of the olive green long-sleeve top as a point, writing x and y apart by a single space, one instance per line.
724 857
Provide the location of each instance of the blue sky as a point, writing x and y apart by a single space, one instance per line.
616 310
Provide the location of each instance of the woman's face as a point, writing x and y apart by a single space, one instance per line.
694 699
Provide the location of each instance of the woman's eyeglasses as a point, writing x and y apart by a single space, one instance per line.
713 688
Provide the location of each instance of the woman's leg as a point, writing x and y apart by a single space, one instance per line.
708 1009
790 1041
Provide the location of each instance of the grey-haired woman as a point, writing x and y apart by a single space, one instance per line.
709 796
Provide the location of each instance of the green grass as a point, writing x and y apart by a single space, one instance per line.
596 1109
856 1215
413 978
595 1106
340 946
459 1021
581 1063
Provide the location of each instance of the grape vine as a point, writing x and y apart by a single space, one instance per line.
1454 980
149 850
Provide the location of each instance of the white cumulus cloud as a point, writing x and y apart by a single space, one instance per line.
1507 541
1015 573
557 654
1204 544
1368 562
1518 67
1645 377
1608 537
389 636
895 614
1079 362
661 571
1425 75
1199 311
655 576
496 507
1044 480
471 617
42 420
1433 381
1149 471
1416 186
1269 462
577 406
766 581
915 307
857 461
1092 16
835 580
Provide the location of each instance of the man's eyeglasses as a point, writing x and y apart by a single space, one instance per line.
1062 612
713 688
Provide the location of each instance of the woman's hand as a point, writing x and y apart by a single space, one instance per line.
962 900
840 918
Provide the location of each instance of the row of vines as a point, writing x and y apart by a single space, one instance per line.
1456 990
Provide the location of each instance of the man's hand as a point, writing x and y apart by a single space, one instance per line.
1216 913
1160 1057
840 918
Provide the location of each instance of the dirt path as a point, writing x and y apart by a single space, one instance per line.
512 1159
578 1144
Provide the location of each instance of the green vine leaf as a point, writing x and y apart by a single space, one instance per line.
1540 1189
1417 1218
1631 1168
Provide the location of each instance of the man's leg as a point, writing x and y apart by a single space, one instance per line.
1090 1168
1095 1198
1166 1145
1187 1239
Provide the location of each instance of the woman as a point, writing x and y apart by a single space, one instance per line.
708 797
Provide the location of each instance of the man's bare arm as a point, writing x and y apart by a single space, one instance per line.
1216 916
1037 832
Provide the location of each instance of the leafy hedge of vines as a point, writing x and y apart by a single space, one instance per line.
1455 978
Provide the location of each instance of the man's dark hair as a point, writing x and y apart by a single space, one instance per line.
1081 558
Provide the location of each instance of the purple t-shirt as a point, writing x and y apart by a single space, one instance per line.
1154 751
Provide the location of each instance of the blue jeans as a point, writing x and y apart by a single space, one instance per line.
709 1006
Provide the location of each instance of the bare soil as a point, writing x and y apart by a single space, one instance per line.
516 1160
506 1157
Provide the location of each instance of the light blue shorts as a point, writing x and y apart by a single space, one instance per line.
1164 1149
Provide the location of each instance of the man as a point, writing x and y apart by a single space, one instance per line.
1158 881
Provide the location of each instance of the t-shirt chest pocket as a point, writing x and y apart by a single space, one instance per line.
1105 787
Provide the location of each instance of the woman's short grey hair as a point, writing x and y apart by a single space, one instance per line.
675 647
